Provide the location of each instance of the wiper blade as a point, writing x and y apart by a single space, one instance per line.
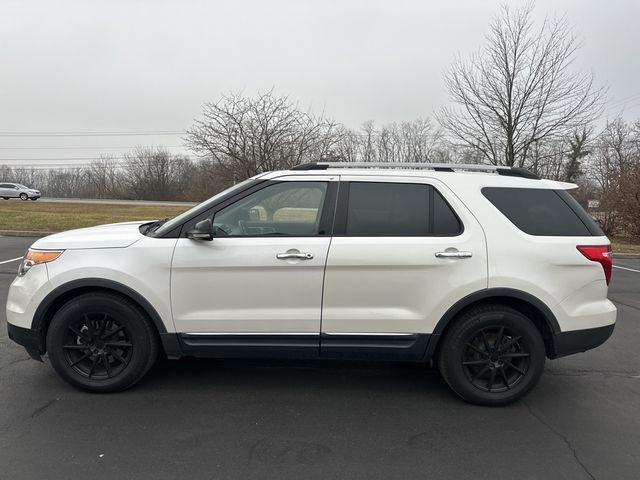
153 226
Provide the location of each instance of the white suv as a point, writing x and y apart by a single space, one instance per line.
483 270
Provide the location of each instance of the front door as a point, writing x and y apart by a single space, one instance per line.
258 283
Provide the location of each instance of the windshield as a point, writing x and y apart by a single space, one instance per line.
171 224
21 186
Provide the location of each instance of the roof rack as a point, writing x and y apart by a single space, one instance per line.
438 167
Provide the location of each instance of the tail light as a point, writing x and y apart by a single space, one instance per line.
600 254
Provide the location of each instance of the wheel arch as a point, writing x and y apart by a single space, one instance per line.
534 308
62 294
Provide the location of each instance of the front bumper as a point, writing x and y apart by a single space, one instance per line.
31 340
576 341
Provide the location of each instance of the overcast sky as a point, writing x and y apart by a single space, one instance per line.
125 66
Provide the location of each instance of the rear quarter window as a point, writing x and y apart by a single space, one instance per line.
543 212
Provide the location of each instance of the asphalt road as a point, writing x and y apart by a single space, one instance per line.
215 419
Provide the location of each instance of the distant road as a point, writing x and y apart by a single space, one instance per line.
116 202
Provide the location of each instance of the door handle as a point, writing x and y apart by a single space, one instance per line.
300 256
453 254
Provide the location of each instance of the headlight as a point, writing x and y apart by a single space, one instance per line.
34 257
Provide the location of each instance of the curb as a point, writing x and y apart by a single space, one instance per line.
23 233
626 255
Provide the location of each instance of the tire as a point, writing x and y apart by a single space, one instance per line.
6 198
34 199
474 365
24 196
101 342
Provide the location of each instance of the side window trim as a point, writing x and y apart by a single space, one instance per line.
340 222
432 209
342 207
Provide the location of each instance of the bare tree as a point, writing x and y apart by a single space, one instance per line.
367 145
154 173
615 165
520 89
246 136
347 146
410 141
105 178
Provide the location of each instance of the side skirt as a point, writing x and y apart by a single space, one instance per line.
408 347
249 345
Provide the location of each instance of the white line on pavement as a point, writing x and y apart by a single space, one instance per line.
625 268
12 260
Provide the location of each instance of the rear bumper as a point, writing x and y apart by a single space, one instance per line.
31 340
576 341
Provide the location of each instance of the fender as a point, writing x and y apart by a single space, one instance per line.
487 294
40 316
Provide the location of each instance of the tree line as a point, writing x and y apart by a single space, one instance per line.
518 101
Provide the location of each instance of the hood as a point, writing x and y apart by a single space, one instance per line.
114 235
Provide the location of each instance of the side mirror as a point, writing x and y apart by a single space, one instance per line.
202 231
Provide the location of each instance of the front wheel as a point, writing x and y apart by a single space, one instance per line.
492 355
101 342
34 199
24 196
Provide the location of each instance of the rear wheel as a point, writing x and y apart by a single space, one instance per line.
6 198
101 342
492 355
24 196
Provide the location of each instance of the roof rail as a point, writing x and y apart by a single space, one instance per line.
438 167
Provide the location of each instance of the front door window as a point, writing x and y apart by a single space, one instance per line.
281 209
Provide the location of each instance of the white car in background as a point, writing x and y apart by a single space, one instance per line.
484 271
16 190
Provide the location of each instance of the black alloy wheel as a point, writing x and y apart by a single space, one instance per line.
98 346
491 355
102 342
495 359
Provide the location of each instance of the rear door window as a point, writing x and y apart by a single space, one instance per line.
542 212
396 209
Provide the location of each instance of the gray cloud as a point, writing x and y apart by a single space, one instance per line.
149 65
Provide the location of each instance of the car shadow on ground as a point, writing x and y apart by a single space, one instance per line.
192 373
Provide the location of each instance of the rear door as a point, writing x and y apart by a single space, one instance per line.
404 250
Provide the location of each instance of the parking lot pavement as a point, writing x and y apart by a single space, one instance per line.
303 419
